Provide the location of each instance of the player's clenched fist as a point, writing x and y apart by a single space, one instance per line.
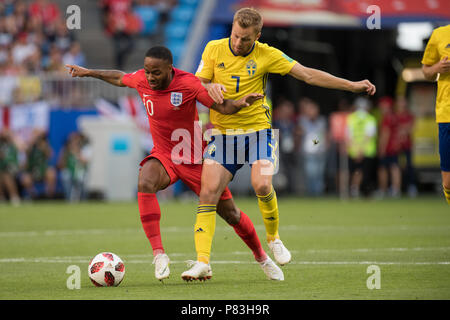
364 86
443 65
77 71
215 91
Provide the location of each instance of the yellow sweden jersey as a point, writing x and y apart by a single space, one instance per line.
437 48
242 75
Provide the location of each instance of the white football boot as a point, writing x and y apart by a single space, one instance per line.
198 271
161 262
272 271
280 253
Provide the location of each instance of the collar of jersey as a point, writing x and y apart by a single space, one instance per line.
229 46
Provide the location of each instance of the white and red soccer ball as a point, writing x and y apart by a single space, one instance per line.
106 270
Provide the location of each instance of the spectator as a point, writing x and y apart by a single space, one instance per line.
74 55
45 11
338 164
284 120
361 145
19 17
23 49
28 33
313 127
9 67
73 163
11 25
6 38
37 168
7 7
164 8
55 61
121 24
388 149
8 79
9 166
406 123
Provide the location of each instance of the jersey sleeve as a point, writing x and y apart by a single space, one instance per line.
431 54
279 62
130 79
202 95
206 67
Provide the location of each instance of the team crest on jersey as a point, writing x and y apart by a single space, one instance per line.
176 99
211 149
251 68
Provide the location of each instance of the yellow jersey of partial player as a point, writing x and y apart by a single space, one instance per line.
242 75
437 48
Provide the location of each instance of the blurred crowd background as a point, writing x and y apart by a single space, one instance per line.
330 143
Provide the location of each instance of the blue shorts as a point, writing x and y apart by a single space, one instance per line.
233 151
388 161
444 145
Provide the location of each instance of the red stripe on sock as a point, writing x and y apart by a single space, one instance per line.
150 216
246 230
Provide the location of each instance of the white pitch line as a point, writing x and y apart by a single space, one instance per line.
294 228
129 257
147 259
375 249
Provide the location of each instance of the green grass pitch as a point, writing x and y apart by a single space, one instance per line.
332 242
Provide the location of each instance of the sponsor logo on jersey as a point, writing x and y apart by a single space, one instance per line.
221 65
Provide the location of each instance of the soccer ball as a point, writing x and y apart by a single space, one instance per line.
106 269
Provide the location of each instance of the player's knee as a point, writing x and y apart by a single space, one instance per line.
262 188
209 194
147 185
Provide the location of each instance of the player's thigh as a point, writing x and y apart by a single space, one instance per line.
446 179
152 176
261 176
50 174
26 179
215 179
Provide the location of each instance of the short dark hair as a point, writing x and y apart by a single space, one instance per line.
160 52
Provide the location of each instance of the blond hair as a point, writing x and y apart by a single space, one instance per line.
249 17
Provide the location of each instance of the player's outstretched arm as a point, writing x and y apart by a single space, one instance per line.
431 72
111 76
214 90
323 79
232 106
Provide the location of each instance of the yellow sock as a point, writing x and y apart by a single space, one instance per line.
269 209
204 229
447 194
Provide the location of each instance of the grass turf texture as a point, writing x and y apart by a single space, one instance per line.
332 244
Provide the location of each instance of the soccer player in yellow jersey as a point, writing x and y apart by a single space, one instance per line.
436 60
229 69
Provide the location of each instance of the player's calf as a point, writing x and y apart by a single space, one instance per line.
228 211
